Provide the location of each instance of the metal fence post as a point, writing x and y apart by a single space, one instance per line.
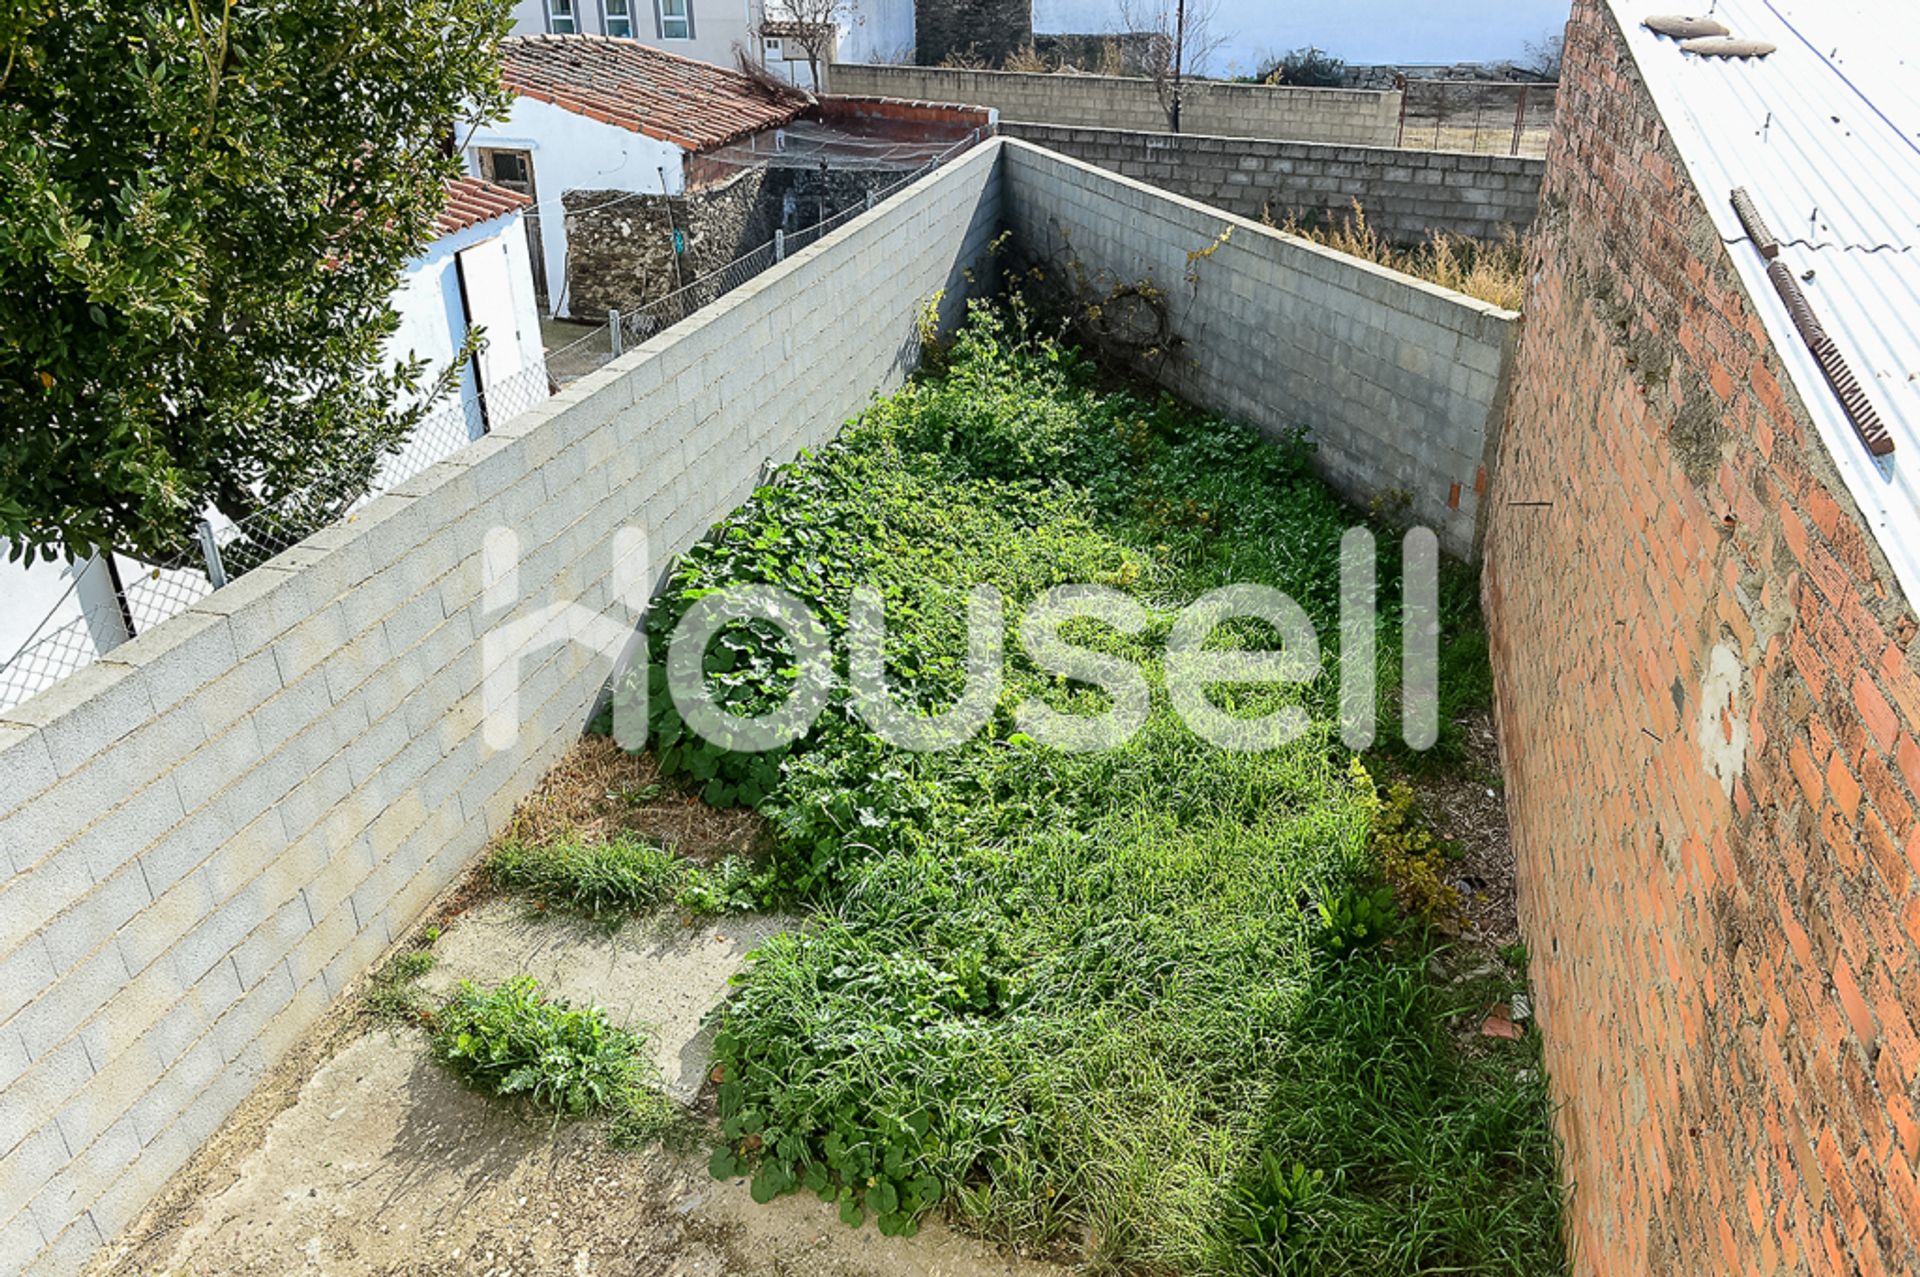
613 331
210 548
1519 121
779 245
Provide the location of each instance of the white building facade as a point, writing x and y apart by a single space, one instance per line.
709 30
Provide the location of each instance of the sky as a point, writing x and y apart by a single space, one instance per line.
1359 31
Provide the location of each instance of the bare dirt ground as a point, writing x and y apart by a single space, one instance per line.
1465 803
373 1161
359 1156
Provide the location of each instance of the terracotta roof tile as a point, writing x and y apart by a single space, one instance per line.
471 201
694 105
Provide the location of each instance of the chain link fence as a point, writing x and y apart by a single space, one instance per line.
149 593
622 330
1487 117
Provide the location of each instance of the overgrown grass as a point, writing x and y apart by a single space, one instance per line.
512 1041
613 878
1494 272
1100 1001
602 878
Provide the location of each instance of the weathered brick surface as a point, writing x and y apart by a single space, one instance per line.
1708 707
210 835
1406 194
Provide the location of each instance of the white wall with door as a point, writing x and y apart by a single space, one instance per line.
705 29
56 617
479 277
569 152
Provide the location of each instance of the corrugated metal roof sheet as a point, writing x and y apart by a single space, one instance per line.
1825 136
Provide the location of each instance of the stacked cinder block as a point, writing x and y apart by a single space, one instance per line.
1406 194
211 833
1709 703
1353 116
1400 384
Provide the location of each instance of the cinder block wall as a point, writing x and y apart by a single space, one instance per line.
1400 384
211 833
1356 116
1406 194
1708 706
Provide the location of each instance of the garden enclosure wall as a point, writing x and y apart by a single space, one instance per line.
1360 117
211 833
1406 194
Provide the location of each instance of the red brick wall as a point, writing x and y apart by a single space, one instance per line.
1708 710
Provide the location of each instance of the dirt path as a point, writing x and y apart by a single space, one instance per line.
372 1161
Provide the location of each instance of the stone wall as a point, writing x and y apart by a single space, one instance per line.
983 30
213 833
1401 385
620 246
1405 193
1097 101
1708 706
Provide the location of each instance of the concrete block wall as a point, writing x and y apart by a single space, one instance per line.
1406 194
1708 687
1355 116
1400 384
210 834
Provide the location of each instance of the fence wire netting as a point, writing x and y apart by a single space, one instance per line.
149 593
1487 117
602 344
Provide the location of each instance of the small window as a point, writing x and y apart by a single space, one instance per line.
676 19
620 18
560 17
508 168
774 53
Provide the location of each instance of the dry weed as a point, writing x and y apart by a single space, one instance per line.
599 790
1493 272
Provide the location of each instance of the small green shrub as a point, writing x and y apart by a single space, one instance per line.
1412 860
1358 917
1308 68
623 875
511 1041
1269 1211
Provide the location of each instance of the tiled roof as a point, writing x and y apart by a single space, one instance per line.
471 201
1824 136
694 105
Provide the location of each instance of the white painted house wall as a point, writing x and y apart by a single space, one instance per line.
40 598
434 321
573 153
883 34
718 25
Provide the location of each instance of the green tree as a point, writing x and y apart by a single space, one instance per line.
205 206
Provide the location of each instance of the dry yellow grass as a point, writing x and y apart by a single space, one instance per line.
599 791
1494 272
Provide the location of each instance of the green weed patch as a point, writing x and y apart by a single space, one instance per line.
512 1041
1152 1005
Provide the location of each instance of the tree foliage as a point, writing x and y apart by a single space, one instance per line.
1308 68
205 206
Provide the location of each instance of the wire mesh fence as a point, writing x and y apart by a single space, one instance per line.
1488 117
149 593
626 329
